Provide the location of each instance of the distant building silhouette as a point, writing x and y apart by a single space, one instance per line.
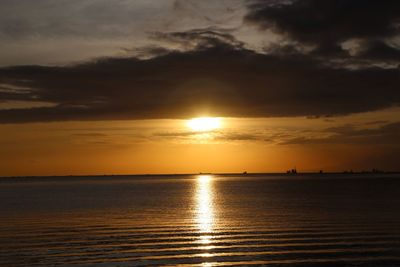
377 171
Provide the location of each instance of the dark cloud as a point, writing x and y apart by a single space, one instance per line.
327 24
91 134
200 39
388 134
225 135
217 77
182 134
377 122
379 50
328 21
148 51
382 134
235 136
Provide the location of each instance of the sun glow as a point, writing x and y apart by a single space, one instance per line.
204 124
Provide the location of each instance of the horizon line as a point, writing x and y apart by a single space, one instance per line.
203 173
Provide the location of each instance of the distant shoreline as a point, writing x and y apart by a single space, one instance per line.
193 174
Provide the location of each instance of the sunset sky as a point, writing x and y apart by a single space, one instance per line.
110 86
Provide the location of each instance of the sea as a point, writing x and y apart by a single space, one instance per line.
201 220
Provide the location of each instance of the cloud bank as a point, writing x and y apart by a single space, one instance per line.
339 57
364 29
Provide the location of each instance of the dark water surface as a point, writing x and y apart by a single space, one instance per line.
221 220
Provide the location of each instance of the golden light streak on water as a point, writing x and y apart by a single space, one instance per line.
205 213
205 209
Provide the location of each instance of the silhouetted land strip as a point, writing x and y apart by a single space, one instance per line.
288 173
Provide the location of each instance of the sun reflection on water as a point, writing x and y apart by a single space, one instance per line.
205 211
205 214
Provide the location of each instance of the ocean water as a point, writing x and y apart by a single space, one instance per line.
201 220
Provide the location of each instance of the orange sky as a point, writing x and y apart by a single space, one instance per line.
107 87
169 146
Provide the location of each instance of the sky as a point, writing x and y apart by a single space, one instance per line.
108 86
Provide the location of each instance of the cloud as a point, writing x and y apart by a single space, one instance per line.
376 122
216 77
329 21
379 50
225 135
200 39
181 134
326 25
91 134
100 19
34 32
237 136
388 134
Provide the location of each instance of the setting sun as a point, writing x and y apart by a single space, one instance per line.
204 124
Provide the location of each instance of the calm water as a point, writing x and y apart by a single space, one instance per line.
271 220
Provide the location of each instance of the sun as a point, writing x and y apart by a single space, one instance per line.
204 124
